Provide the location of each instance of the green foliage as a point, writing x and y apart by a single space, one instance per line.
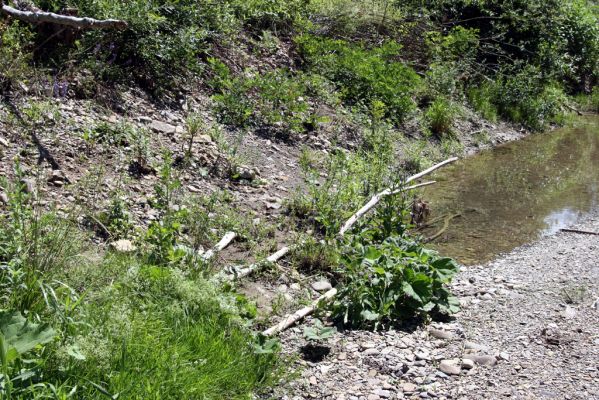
363 75
351 179
15 39
440 116
392 279
482 99
318 331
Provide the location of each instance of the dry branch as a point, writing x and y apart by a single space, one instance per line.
579 231
224 242
377 197
36 17
243 272
291 319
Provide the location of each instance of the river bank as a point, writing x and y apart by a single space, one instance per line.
528 329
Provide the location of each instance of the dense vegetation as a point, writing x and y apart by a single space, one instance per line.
78 320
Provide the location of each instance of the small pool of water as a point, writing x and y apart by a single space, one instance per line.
516 193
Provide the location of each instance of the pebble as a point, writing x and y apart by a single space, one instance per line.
482 359
450 367
439 334
123 246
408 387
467 363
321 286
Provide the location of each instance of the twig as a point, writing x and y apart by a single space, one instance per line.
291 319
579 231
35 17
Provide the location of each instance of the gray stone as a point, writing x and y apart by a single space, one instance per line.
370 352
450 367
321 286
475 346
163 127
385 394
3 198
467 363
408 387
482 359
439 334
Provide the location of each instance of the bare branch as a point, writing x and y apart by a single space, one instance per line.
35 17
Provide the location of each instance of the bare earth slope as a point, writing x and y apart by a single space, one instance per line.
533 315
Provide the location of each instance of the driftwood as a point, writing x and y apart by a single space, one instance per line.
376 198
579 231
243 272
36 17
291 319
224 242
446 222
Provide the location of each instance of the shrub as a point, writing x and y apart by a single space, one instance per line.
440 116
363 75
15 39
481 97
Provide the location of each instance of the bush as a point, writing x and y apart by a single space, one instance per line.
363 75
15 39
481 97
440 116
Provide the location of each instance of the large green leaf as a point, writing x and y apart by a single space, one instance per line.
20 335
445 268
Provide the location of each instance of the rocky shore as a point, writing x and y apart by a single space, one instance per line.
528 329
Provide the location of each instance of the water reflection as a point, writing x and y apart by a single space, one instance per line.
516 193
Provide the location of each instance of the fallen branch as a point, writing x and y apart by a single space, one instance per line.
291 319
224 242
377 197
36 17
579 231
243 272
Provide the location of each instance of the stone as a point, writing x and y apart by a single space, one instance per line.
482 359
321 286
3 198
3 142
475 346
370 352
440 334
385 394
246 173
467 363
313 380
124 246
450 367
163 127
408 387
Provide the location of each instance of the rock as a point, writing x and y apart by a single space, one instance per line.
3 142
450 367
439 334
313 381
249 174
370 352
408 387
487 297
504 356
123 245
203 139
163 127
423 355
385 394
569 312
482 359
3 198
475 346
373 397
467 363
28 185
321 286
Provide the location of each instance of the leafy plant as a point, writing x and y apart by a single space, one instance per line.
389 280
318 332
440 116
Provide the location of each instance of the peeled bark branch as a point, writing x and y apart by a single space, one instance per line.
291 319
36 17
224 242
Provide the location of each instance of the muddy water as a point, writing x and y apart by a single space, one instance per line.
516 193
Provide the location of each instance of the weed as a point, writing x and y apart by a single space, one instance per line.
440 116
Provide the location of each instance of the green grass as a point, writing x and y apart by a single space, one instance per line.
123 326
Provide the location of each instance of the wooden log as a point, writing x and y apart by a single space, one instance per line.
292 319
35 17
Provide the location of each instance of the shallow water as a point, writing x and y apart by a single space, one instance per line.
516 193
